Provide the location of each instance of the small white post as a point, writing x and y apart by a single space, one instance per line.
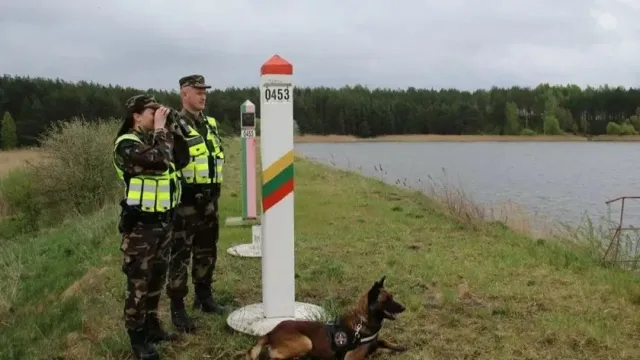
278 264
256 237
254 249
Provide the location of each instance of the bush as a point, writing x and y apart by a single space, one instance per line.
551 126
527 132
613 129
627 129
75 175
20 199
78 170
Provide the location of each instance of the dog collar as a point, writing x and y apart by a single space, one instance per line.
368 338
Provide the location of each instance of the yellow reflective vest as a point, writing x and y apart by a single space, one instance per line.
206 165
152 193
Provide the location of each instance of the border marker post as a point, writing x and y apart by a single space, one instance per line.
247 170
278 263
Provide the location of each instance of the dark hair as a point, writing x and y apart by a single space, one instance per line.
127 124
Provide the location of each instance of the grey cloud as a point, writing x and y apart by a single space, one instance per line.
458 43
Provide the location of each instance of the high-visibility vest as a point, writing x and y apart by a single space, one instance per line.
153 193
198 170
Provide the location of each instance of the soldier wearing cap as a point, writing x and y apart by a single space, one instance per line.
147 157
196 228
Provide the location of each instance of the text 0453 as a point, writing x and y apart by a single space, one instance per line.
280 94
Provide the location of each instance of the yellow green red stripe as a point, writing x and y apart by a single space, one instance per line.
276 168
277 181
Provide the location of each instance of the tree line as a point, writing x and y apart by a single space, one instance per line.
30 104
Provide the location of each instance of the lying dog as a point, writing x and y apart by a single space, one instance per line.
353 336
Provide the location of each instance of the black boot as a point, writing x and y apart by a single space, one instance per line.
204 301
155 333
142 349
179 316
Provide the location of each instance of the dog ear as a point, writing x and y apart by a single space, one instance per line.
372 296
381 282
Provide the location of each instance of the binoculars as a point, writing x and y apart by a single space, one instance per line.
175 119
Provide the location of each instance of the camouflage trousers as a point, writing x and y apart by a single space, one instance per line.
146 249
195 236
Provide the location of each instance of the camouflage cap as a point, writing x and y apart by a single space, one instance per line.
138 103
193 80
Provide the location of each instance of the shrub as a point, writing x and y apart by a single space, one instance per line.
75 175
551 125
613 128
78 169
627 129
527 132
20 199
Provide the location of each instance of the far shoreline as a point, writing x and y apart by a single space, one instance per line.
463 138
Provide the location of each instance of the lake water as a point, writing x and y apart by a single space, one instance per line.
549 180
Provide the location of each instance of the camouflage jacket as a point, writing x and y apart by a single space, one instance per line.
152 157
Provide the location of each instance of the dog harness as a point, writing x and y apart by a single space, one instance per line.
343 339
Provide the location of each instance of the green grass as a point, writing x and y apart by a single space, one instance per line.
471 291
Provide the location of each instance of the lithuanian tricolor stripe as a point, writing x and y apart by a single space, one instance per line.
277 181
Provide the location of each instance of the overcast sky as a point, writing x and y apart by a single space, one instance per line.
465 44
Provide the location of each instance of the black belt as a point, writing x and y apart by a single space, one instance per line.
152 217
207 190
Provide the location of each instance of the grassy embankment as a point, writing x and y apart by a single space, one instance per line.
472 290
461 138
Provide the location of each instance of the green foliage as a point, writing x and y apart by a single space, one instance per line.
296 128
626 128
613 129
75 174
8 134
18 195
512 122
350 110
565 120
635 122
528 132
551 125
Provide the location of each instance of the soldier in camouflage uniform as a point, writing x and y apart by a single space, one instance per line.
196 228
146 151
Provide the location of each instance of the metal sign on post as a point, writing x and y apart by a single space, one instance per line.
248 120
247 172
276 144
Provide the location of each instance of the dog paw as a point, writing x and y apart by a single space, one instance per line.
401 348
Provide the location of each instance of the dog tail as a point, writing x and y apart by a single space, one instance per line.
256 350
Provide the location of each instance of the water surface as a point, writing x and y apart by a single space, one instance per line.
550 180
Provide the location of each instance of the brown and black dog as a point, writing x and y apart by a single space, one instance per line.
353 336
